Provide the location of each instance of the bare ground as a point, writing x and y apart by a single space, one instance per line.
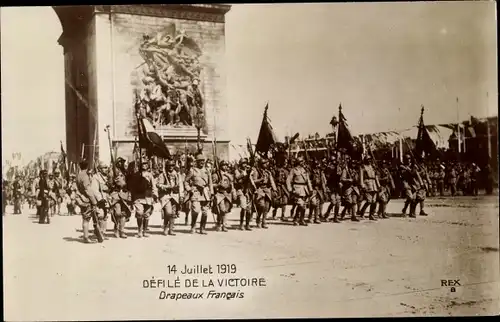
391 267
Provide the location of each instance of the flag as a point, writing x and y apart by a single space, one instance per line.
150 140
424 143
344 138
266 135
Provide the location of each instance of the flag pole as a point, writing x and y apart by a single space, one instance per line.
458 131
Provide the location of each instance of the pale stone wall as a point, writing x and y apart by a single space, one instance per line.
128 30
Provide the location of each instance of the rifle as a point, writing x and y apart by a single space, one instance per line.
248 179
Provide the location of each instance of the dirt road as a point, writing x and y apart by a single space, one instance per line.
391 267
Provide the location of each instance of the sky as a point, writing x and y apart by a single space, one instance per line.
382 61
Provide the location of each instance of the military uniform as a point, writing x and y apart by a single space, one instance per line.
281 197
452 180
59 185
384 193
369 183
264 182
120 199
199 183
51 183
440 180
71 190
299 186
333 186
87 198
224 195
318 184
171 193
349 193
17 194
42 191
243 189
144 191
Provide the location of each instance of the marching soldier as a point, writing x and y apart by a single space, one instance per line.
225 193
52 195
144 192
334 189
423 183
384 194
409 186
370 185
264 182
59 185
71 191
87 199
17 194
347 182
120 199
4 197
42 191
243 193
299 186
199 183
281 198
440 180
171 194
102 180
318 192
452 180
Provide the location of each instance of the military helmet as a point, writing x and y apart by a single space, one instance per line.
200 157
170 162
119 160
72 175
101 165
243 161
57 171
263 161
223 163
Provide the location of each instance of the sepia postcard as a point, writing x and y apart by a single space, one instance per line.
236 161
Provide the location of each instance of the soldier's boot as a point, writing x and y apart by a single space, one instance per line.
171 224
325 216
139 227
302 215
145 232
242 219
373 207
48 218
165 225
186 218
295 215
257 220
353 214
336 211
194 217
203 223
283 208
381 210
104 225
362 211
275 211
121 227
422 212
413 207
116 228
223 222
264 221
219 221
317 214
407 203
248 219
85 227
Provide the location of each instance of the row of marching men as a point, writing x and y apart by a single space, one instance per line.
122 192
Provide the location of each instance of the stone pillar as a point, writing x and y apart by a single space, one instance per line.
104 78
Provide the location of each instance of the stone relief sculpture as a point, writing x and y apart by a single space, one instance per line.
170 93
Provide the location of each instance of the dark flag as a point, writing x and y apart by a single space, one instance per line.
266 135
63 160
150 140
424 143
344 138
